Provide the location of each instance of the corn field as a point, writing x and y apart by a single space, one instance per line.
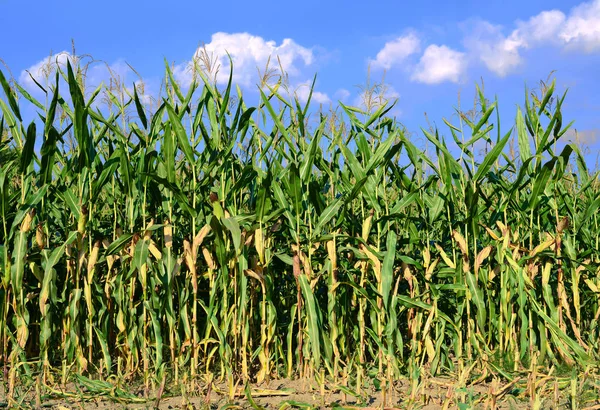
203 239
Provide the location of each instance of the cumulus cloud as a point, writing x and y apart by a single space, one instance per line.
501 54
43 71
303 90
577 31
249 54
118 75
439 64
540 28
396 51
582 28
95 72
498 53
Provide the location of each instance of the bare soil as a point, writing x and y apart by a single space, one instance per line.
435 393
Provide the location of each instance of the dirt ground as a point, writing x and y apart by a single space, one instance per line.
436 393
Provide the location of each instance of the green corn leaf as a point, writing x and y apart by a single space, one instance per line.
182 137
169 150
490 158
29 98
591 209
173 83
523 137
313 320
477 298
234 228
309 156
276 118
381 111
332 210
10 96
139 107
295 188
140 254
540 183
225 102
387 271
19 257
547 97
484 118
118 245
27 153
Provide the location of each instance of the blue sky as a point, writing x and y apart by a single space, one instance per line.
430 51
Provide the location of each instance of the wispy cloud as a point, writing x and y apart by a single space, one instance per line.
586 137
342 94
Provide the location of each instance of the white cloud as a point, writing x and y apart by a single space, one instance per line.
303 90
376 97
94 73
249 54
501 54
395 52
581 30
439 64
577 31
118 75
44 70
498 53
342 94
540 28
